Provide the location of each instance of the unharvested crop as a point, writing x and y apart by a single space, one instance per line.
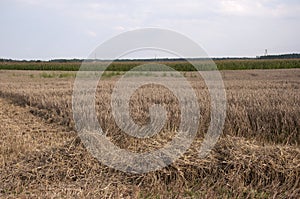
179 65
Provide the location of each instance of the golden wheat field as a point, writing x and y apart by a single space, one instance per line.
257 156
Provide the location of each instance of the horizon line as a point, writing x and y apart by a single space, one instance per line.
289 55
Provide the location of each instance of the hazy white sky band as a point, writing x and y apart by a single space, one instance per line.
43 29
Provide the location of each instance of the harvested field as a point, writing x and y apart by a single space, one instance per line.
257 156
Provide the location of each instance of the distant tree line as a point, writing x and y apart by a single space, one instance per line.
282 56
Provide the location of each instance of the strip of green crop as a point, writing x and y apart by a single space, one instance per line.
177 65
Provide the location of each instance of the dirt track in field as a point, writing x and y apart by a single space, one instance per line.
39 159
23 133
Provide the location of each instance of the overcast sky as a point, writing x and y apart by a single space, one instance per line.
48 29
